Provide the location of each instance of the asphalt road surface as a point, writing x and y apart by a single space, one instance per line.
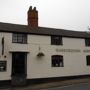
72 87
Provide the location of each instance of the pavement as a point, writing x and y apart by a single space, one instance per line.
50 84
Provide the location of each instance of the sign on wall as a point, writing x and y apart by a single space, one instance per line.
68 50
2 66
72 50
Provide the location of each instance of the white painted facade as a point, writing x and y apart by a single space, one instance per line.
74 61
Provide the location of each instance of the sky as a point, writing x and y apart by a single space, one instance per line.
61 14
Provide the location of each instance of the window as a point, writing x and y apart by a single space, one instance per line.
57 61
56 40
88 60
19 38
87 41
2 66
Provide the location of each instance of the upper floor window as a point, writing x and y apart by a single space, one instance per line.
56 40
19 38
57 61
87 41
88 60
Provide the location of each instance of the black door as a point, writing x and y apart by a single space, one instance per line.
19 67
18 63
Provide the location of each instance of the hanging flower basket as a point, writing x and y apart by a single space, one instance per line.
40 54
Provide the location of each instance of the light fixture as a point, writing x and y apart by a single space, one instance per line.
40 54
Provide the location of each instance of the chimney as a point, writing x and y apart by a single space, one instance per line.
33 17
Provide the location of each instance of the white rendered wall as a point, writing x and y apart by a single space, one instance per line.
74 62
6 75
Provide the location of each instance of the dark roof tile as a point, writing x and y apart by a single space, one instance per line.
7 27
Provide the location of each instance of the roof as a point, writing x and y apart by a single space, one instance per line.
7 27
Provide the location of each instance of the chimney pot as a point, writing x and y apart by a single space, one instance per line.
30 8
34 9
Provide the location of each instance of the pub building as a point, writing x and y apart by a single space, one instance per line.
33 53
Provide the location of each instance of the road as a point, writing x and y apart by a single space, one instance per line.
72 87
69 87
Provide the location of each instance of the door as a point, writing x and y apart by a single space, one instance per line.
19 68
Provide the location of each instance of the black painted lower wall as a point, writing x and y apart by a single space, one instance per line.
5 83
44 80
55 79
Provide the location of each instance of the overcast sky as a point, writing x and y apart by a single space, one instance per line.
65 14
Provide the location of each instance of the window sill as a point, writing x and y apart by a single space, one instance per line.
19 43
57 44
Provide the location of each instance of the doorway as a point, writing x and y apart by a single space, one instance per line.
19 67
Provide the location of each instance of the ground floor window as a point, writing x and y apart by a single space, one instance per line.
88 60
57 61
